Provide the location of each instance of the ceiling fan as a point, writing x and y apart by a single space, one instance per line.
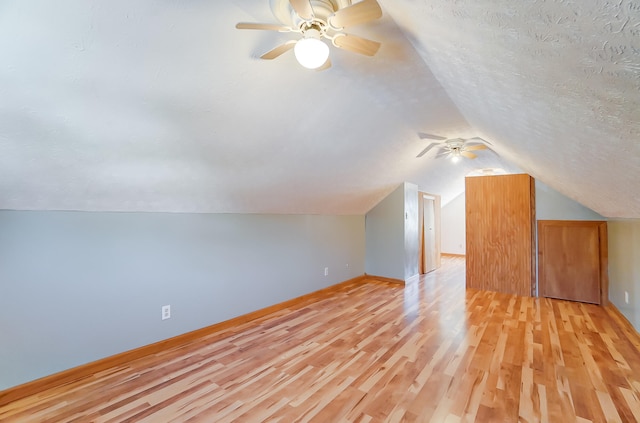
456 148
318 19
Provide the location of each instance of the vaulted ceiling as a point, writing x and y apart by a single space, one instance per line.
165 106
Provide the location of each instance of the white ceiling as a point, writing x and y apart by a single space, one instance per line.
153 105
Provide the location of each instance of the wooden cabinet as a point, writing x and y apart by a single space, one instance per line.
572 260
500 233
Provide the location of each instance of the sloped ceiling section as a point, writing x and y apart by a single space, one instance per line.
555 84
165 106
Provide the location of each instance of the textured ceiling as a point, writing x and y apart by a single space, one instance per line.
164 106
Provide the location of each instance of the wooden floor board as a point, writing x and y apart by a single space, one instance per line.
377 352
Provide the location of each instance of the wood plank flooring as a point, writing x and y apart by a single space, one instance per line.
378 352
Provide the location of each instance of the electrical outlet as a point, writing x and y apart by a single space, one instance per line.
626 297
326 271
166 312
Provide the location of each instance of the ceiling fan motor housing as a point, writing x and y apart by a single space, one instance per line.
455 144
322 9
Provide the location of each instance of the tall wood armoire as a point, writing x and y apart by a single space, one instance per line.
500 233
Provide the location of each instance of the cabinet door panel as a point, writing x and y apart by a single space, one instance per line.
569 260
500 228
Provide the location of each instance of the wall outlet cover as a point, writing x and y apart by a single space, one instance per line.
166 312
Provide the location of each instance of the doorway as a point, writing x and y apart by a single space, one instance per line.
429 223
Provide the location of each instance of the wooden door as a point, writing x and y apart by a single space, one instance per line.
429 235
570 260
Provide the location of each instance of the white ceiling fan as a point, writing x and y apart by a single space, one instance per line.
455 148
322 19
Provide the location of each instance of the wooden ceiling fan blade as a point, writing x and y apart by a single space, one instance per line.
468 155
356 44
267 27
426 150
475 147
302 8
283 48
423 136
356 14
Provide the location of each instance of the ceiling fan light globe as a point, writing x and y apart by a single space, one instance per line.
311 52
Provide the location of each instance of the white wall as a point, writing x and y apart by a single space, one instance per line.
411 230
624 267
77 287
453 218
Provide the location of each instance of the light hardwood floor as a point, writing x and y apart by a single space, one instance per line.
378 352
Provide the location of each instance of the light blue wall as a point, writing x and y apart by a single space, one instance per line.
385 237
76 287
624 267
552 205
392 237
